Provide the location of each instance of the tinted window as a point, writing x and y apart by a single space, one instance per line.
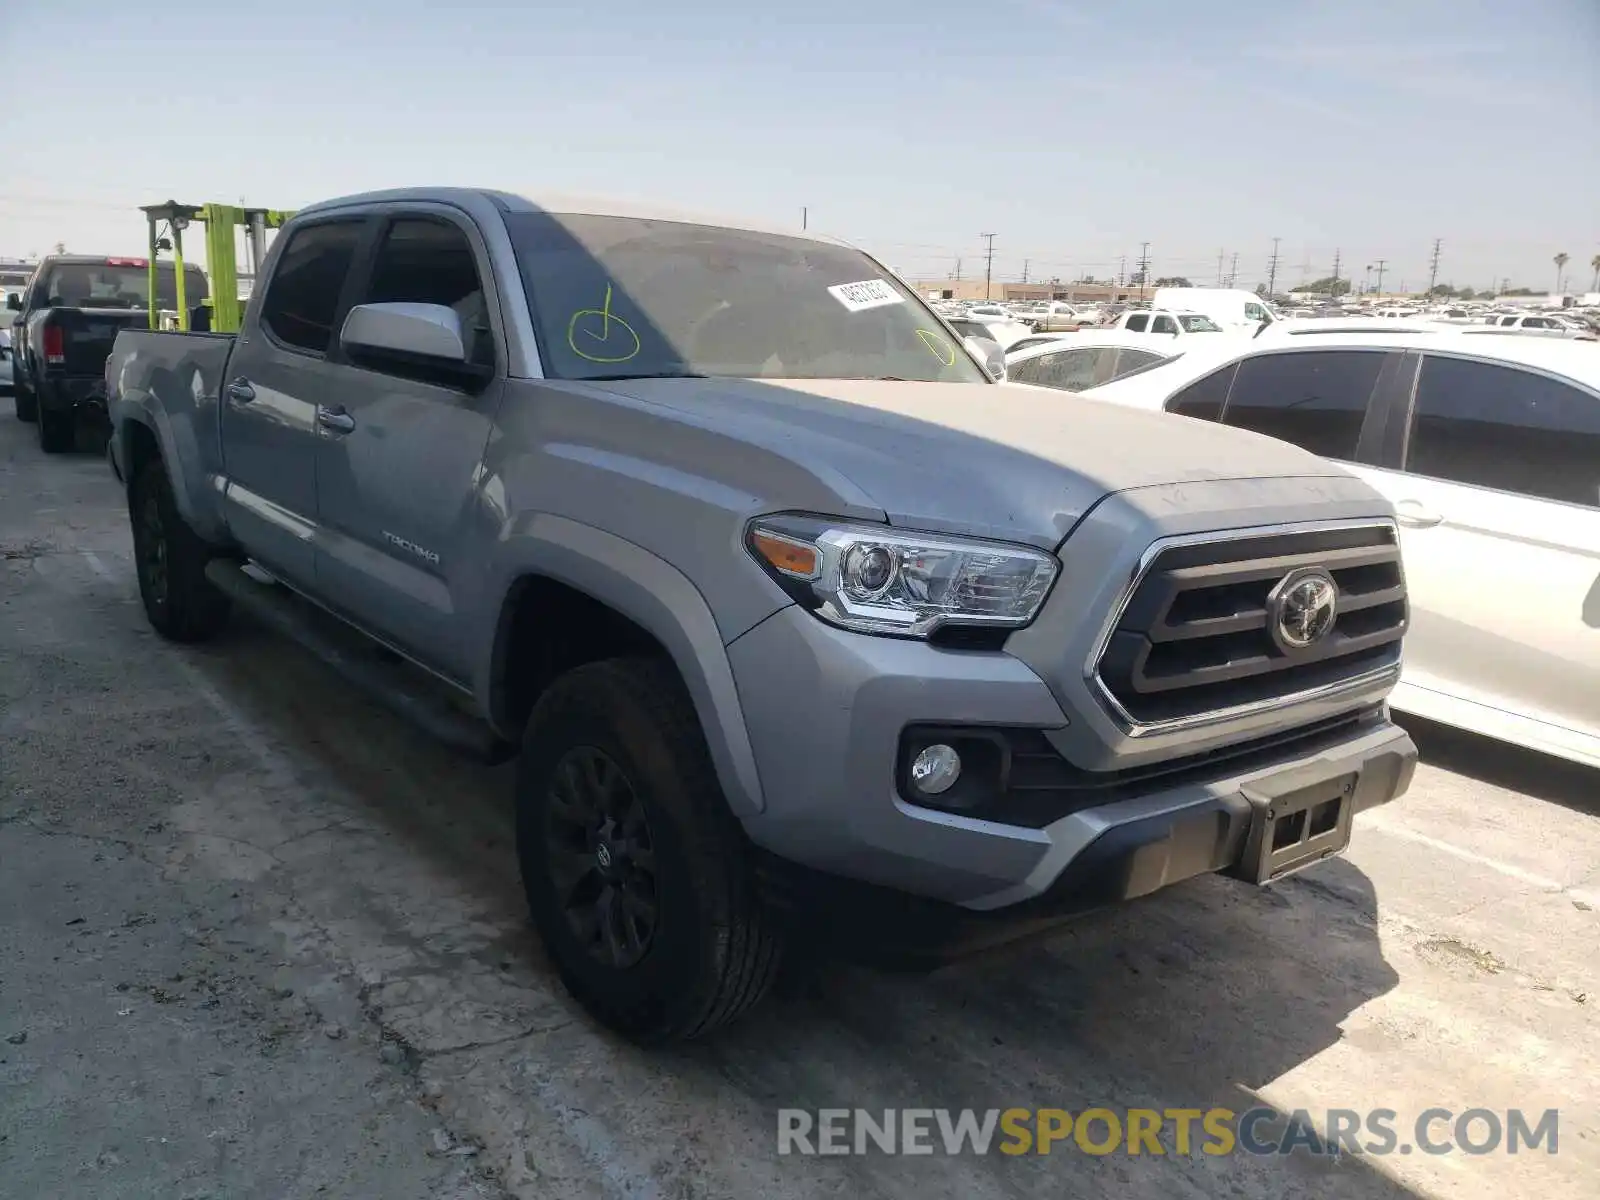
1498 427
1138 322
1316 400
1131 360
1164 325
303 296
121 283
1070 370
430 262
1203 399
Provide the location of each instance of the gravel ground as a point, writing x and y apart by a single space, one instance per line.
258 938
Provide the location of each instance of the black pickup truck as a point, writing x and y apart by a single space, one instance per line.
62 328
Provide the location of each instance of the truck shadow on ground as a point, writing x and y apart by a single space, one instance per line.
1543 776
1198 997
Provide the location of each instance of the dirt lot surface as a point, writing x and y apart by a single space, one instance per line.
259 939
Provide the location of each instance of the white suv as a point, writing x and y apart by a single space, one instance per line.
1489 449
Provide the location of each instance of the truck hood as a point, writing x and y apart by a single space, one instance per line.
1018 463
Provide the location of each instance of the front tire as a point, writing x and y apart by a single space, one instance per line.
636 874
181 604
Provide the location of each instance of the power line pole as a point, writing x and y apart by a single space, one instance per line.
1233 270
958 271
805 215
1025 263
1433 266
988 268
1272 268
1382 262
1335 287
1220 254
1122 270
1144 267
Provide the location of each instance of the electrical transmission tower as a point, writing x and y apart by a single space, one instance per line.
1433 265
1335 287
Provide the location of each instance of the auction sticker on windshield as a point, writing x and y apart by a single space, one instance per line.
869 293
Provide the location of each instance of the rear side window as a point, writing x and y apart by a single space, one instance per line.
1204 398
303 296
1164 325
1069 370
1138 323
1498 427
1317 400
1129 360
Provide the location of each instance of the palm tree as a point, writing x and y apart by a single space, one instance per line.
1594 284
1561 265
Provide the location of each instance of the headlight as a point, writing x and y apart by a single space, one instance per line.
876 580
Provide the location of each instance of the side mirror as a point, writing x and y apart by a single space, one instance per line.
13 302
425 331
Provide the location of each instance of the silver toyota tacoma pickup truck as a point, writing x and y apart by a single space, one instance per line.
799 626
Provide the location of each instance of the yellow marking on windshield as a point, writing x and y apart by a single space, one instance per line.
939 346
610 325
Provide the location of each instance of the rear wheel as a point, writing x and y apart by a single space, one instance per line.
636 874
26 403
181 604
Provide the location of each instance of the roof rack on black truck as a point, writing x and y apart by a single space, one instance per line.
792 617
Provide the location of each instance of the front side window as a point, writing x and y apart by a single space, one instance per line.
629 297
1498 427
423 261
303 295
1070 370
1138 323
1164 325
1317 400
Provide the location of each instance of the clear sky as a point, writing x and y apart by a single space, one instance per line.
1073 131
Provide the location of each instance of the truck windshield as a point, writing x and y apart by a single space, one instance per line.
625 297
124 284
1195 323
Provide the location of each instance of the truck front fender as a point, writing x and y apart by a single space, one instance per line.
654 595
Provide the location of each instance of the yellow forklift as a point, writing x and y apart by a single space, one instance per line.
222 312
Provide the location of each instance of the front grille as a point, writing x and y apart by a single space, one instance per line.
1193 637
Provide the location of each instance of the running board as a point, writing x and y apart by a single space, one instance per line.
394 685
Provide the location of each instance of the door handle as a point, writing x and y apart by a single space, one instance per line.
1416 515
335 419
240 391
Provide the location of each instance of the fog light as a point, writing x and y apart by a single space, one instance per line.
935 769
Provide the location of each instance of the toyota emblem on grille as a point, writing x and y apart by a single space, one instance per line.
1302 608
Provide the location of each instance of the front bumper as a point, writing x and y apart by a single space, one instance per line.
826 710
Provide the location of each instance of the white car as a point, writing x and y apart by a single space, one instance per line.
1003 325
1489 449
1074 361
1166 322
1536 325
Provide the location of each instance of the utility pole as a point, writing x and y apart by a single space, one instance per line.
1433 265
1144 267
1272 268
988 268
1382 263
1335 287
1220 254
1025 263
958 271
1505 286
1233 270
1122 270
805 216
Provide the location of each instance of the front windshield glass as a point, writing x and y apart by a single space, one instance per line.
107 285
1195 323
622 297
